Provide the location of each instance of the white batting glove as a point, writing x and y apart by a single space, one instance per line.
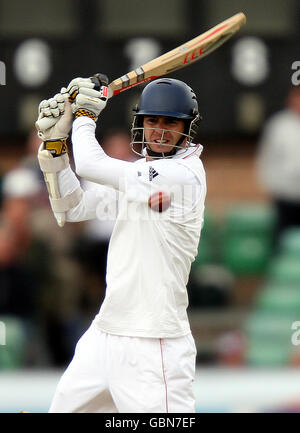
55 117
54 122
89 95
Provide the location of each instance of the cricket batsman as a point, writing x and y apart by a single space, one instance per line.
138 355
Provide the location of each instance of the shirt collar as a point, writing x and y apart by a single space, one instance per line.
194 149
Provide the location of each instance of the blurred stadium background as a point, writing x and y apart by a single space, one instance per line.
244 291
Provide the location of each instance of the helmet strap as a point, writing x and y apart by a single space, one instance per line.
151 152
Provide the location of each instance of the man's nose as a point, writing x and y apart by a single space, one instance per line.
160 124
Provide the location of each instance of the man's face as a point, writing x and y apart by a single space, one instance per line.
162 141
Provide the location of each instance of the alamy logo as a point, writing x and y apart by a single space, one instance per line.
296 74
296 335
2 334
152 173
2 74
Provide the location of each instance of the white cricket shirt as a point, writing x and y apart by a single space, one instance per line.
150 253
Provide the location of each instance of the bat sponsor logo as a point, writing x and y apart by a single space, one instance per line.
195 54
206 50
192 56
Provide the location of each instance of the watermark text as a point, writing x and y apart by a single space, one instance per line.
296 335
2 74
296 74
2 334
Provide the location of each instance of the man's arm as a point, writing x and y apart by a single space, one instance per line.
53 125
91 162
68 201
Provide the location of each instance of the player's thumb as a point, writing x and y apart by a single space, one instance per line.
68 108
45 123
66 120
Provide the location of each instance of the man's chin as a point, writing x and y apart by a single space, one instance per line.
160 149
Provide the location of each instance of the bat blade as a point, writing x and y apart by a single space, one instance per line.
180 57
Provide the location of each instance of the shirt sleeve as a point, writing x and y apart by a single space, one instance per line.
98 201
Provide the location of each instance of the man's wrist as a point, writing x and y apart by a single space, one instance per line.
85 113
56 147
83 120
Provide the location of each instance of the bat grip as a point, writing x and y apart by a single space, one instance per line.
99 80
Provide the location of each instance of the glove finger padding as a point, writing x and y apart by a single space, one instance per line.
89 92
54 110
55 118
83 102
88 84
43 124
88 95
43 104
75 84
52 103
61 99
46 112
64 93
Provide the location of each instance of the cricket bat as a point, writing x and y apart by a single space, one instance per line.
180 57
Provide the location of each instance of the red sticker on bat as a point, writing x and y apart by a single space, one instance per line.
105 91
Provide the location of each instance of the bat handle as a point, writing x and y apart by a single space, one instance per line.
99 80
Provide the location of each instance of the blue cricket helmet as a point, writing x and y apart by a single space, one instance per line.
168 97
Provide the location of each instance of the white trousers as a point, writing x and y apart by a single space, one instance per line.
111 373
